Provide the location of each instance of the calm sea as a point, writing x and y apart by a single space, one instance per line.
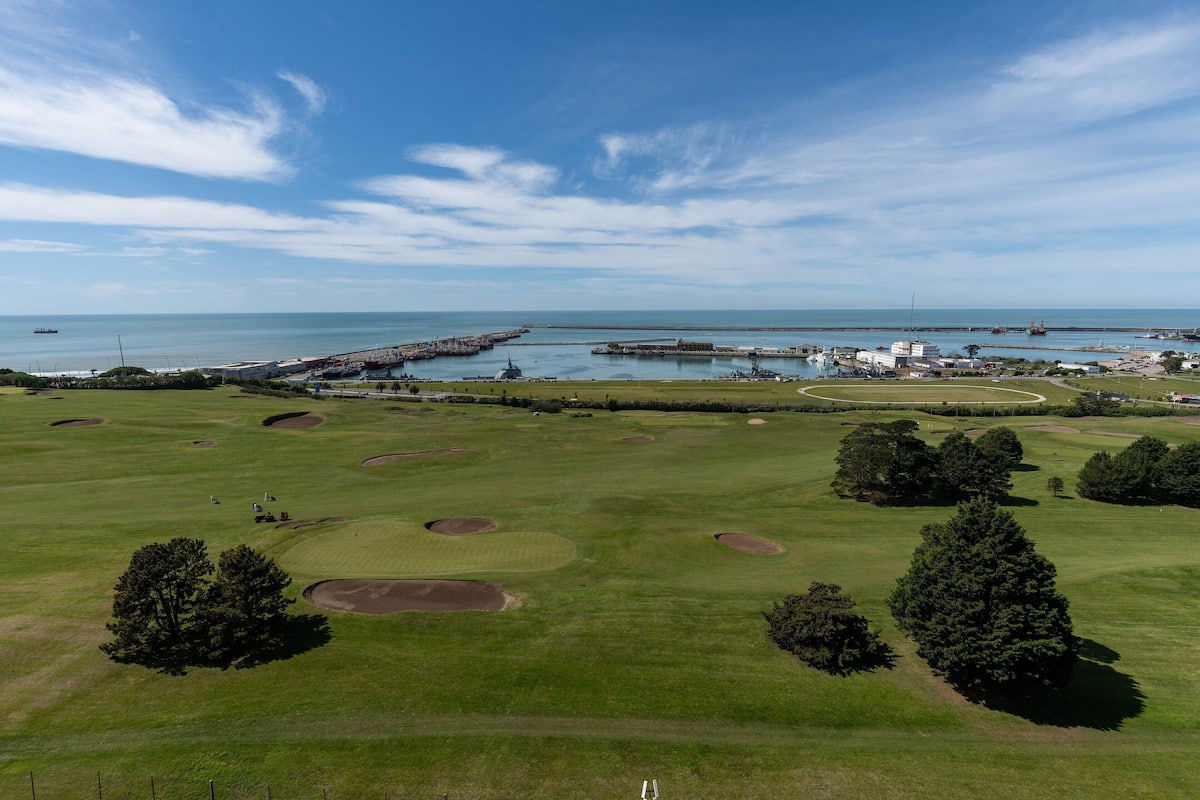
165 342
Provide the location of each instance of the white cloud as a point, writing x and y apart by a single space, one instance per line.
314 96
37 246
81 92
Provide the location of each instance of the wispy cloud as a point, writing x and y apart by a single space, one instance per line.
38 246
1058 160
61 90
314 96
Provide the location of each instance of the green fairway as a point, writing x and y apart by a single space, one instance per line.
638 649
927 393
385 549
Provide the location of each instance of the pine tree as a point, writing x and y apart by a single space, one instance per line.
884 462
982 605
244 605
1001 445
822 630
1177 474
964 470
156 604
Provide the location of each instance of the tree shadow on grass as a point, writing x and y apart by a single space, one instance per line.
1025 467
1013 500
1097 695
301 633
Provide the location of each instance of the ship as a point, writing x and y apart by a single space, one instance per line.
45 330
1036 329
999 329
509 373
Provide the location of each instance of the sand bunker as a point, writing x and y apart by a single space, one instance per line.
756 421
747 543
461 526
638 439
294 419
205 443
387 596
371 462
75 423
1053 428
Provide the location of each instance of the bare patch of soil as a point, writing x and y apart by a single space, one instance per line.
387 596
638 439
1189 420
373 461
461 526
75 423
205 443
975 431
294 419
747 543
1121 434
1053 428
756 421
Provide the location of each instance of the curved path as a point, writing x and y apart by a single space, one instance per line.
1035 398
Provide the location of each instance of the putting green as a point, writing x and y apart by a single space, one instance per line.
916 393
390 549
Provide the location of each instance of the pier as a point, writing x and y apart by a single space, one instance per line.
1015 330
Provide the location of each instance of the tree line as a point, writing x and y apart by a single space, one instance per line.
886 463
1149 470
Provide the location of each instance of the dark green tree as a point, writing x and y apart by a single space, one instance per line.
1140 460
1093 404
963 470
884 462
244 605
982 605
157 602
1001 445
822 630
1177 474
1055 486
972 350
1106 479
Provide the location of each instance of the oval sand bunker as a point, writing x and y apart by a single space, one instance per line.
294 419
747 543
387 596
461 526
638 439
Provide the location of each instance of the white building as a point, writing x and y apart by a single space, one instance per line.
245 370
881 358
1087 369
917 350
960 363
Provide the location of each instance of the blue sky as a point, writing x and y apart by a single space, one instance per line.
281 156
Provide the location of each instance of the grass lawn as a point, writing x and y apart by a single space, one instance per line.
638 650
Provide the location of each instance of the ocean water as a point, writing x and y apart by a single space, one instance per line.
164 342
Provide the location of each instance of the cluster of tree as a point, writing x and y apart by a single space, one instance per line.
267 387
171 609
982 606
822 630
129 378
887 463
978 599
1149 469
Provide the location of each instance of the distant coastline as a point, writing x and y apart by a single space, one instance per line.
163 342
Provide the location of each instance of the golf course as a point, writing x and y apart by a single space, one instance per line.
629 643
